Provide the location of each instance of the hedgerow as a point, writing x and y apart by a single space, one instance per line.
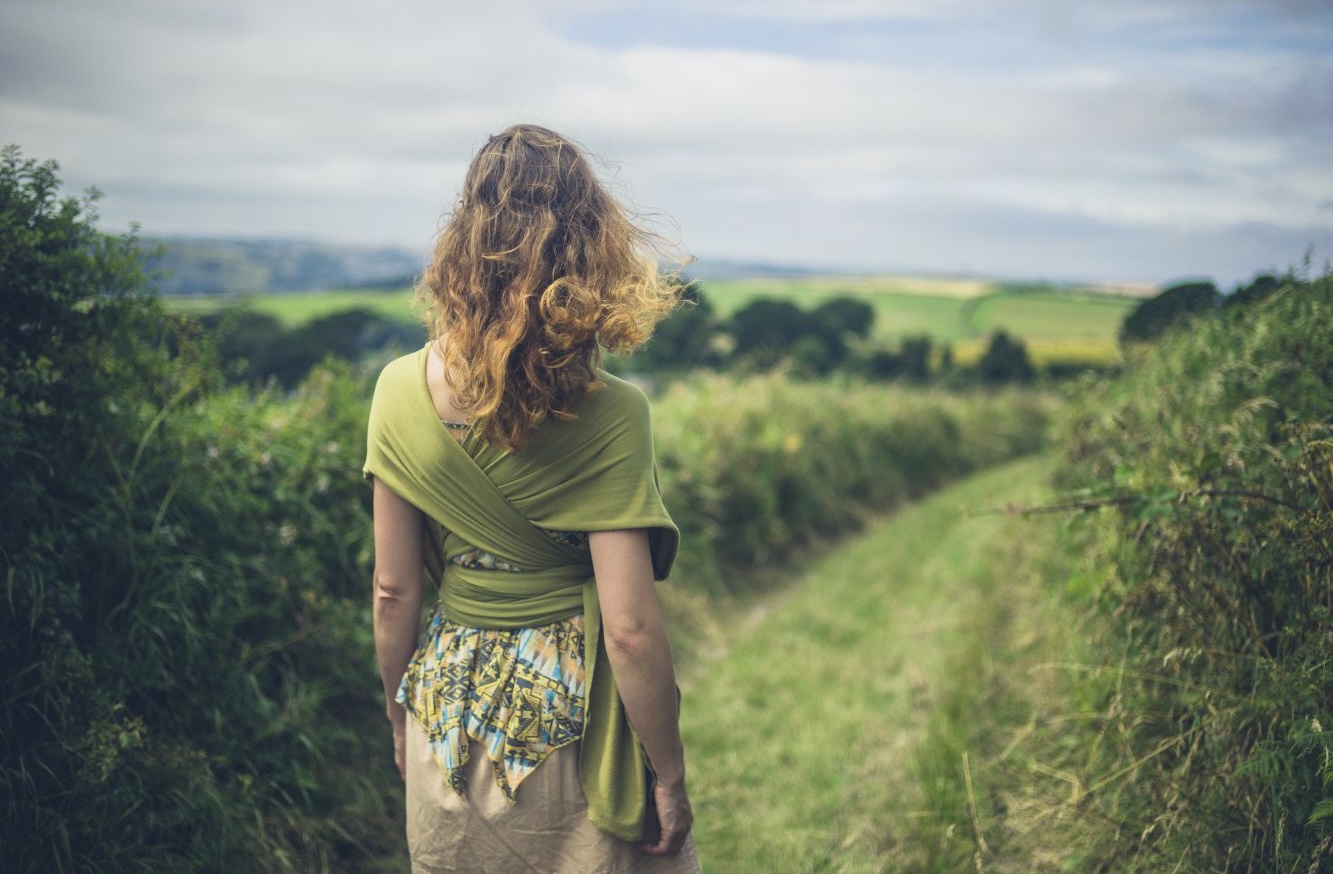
756 468
183 629
1207 475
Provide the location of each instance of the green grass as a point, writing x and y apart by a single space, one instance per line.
830 737
297 308
1051 315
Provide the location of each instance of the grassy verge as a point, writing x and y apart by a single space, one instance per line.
840 730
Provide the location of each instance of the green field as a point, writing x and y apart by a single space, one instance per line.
1064 323
1058 323
297 308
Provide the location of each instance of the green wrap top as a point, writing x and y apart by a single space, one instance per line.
595 472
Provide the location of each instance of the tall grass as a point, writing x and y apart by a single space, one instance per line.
1186 728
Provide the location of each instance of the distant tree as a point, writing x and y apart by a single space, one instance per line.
258 347
836 322
916 357
685 339
345 334
813 356
1154 316
246 340
846 315
1005 360
946 358
1258 288
882 364
765 329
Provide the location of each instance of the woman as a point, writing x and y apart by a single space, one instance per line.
536 724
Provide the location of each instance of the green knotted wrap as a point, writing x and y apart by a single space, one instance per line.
595 472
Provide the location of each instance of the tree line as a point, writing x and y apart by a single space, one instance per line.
764 335
834 336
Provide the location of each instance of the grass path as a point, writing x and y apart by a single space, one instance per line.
830 736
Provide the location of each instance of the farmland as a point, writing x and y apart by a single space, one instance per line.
297 308
1068 323
1057 322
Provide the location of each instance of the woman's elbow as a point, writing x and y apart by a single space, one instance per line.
399 588
633 640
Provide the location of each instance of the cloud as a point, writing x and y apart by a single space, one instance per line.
799 131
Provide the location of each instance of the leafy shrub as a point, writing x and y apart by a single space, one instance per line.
258 347
685 340
756 467
1211 468
187 655
1156 315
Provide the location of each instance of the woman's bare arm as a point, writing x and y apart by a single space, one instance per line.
397 600
640 654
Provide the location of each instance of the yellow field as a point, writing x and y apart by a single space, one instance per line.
853 286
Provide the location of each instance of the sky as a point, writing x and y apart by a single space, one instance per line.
1111 141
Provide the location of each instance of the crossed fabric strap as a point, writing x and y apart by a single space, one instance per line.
557 582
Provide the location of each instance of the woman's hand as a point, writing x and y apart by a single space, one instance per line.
398 718
674 819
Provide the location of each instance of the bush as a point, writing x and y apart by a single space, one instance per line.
1210 471
256 347
685 339
1155 316
753 469
189 677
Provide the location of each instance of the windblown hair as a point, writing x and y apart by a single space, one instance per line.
537 268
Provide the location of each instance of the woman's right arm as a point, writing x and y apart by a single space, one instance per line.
640 655
399 541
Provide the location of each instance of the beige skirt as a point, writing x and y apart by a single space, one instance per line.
546 830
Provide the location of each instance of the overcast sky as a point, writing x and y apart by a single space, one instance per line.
1065 139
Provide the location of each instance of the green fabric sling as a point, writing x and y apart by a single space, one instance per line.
592 473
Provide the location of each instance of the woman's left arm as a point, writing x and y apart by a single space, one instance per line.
399 533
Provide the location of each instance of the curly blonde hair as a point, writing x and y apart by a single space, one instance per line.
537 268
